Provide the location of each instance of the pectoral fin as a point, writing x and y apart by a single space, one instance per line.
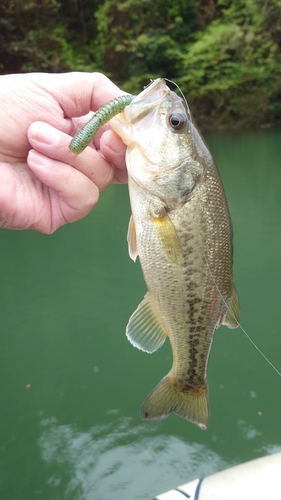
232 316
144 330
132 239
167 235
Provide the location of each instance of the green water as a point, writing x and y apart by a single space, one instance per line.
72 385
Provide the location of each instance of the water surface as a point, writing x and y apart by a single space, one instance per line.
72 385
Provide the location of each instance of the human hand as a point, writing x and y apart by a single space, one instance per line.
43 185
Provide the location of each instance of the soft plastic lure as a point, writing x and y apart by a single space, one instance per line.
86 134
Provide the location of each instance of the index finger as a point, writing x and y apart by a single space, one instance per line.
78 93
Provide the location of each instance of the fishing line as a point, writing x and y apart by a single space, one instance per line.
238 323
210 271
233 315
183 96
189 115
84 136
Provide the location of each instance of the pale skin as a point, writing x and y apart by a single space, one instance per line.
43 184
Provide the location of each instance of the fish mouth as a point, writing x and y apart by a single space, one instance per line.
150 98
148 93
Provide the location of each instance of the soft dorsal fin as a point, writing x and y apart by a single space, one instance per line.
144 330
232 316
132 239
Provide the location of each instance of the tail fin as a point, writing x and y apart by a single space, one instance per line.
190 403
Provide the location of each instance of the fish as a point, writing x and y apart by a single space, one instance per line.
180 229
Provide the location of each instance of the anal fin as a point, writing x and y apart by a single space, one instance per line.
144 330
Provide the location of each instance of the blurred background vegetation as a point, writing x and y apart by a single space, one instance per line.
224 54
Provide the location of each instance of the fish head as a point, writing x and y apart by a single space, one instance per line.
162 143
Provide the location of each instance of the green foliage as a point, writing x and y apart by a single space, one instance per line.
225 54
27 39
45 35
231 72
139 40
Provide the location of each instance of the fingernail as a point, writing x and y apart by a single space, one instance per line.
44 133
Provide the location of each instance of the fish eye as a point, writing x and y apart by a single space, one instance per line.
177 121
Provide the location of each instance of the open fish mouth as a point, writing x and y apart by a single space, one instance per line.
151 97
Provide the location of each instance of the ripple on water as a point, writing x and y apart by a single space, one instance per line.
116 458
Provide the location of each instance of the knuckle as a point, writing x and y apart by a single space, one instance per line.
91 197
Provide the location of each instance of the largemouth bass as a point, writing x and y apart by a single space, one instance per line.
181 230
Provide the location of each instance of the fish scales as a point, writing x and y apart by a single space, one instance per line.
181 231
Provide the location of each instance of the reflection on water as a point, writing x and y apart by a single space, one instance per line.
271 448
247 430
110 460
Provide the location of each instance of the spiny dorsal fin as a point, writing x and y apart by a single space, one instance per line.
232 316
144 330
168 238
132 239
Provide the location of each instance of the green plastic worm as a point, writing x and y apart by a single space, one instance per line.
86 134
